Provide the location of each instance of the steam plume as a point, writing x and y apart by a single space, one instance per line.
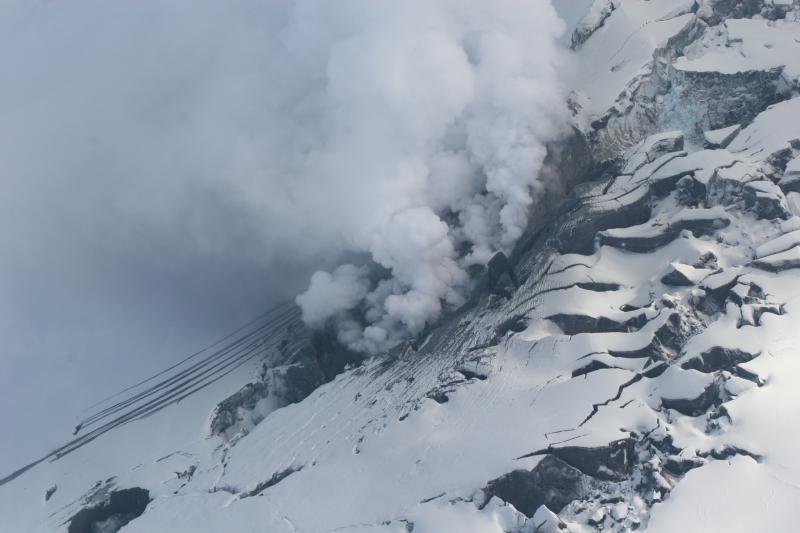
435 116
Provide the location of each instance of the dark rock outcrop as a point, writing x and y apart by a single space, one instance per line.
552 482
675 278
276 478
587 27
588 368
613 462
690 192
317 360
766 200
790 182
109 516
694 406
718 358
726 98
501 276
226 413
591 209
576 324
679 466
717 11
778 262
699 225
668 339
721 138
330 356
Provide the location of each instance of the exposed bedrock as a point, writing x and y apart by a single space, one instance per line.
315 362
722 137
679 275
226 414
710 397
110 515
569 161
788 260
765 200
790 180
668 340
572 324
716 11
612 462
609 463
590 367
663 97
709 100
593 21
690 191
647 242
552 482
500 275
592 208
276 478
718 358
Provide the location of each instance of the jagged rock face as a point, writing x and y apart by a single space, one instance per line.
716 11
634 353
589 210
722 137
500 275
790 181
592 21
576 324
552 483
681 88
111 512
569 161
630 346
765 200
316 361
613 462
246 398
720 99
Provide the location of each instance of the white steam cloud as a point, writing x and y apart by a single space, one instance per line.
432 119
241 136
170 168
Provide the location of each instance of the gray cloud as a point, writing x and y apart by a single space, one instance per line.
170 169
432 125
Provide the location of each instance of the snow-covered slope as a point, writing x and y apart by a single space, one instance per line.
633 365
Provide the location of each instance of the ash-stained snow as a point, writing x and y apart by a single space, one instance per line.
638 370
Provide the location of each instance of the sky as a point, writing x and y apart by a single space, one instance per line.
169 170
123 247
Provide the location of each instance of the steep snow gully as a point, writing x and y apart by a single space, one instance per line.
632 365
